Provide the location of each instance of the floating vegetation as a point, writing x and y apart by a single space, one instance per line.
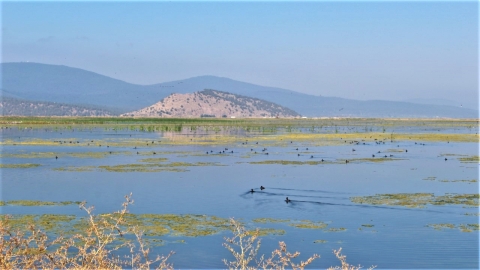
471 159
469 227
320 241
97 154
136 167
430 178
307 224
319 162
36 203
341 229
395 150
268 231
270 220
89 154
368 225
473 214
456 181
75 169
139 168
48 222
19 166
418 199
461 227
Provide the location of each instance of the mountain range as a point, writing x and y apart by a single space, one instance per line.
45 83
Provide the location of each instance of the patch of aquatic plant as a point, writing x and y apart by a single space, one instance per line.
368 225
270 220
430 178
320 241
149 166
473 214
395 150
471 159
319 162
153 160
457 181
75 169
307 224
19 166
140 168
155 167
418 199
461 227
59 154
48 222
267 231
341 229
36 203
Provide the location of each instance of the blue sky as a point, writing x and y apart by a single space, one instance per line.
360 50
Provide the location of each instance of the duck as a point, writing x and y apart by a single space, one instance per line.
288 200
252 191
262 187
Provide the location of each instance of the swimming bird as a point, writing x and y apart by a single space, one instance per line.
262 187
252 191
445 159
56 157
288 200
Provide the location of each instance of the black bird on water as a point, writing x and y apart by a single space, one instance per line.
56 157
288 200
262 187
252 191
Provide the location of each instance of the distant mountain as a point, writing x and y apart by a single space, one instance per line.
18 107
212 103
61 84
473 104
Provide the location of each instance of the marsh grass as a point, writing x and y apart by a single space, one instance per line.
462 227
318 162
150 165
470 159
19 166
36 203
418 199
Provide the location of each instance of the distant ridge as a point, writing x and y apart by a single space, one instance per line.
61 84
213 103
18 107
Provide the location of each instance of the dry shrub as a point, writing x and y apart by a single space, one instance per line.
248 244
92 248
343 261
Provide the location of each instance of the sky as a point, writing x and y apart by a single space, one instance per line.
351 49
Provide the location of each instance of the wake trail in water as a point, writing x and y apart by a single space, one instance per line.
371 206
309 190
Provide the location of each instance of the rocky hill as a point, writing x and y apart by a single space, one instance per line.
213 103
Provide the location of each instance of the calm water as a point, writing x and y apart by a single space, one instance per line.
399 238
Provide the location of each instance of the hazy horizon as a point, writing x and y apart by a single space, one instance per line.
356 50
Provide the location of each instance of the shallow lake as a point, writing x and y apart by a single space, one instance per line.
211 172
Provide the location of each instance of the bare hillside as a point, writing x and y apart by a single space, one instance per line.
212 103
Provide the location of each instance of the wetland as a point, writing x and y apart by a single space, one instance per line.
381 189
